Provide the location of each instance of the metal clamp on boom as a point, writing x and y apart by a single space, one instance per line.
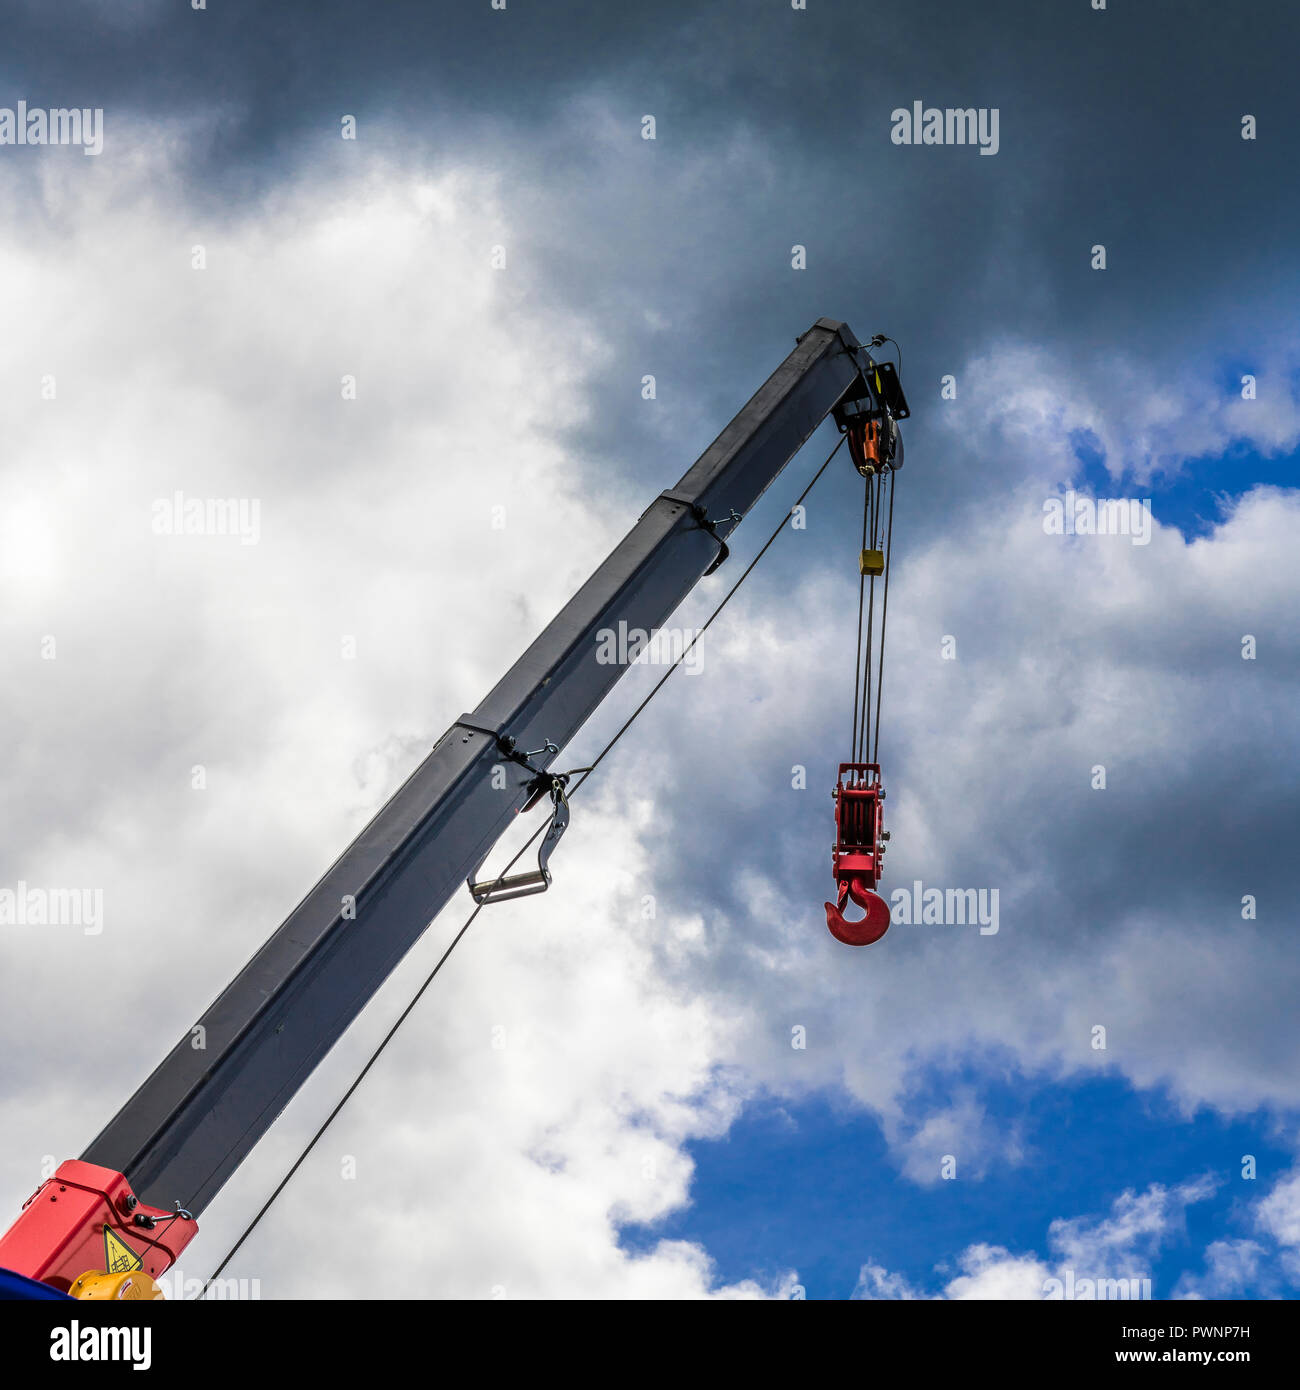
509 746
500 890
702 521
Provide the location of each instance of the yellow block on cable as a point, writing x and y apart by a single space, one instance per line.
873 562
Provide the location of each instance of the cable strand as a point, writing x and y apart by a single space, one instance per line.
884 614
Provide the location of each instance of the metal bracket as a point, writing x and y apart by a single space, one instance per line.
701 515
702 521
500 890
508 746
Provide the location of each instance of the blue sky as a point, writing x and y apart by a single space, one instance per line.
1193 497
812 1186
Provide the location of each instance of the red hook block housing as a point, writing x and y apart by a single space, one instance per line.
857 858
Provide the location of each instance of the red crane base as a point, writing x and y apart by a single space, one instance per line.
85 1218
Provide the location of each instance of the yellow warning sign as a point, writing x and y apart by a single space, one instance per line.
119 1258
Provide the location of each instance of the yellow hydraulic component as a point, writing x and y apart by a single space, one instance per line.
872 562
95 1284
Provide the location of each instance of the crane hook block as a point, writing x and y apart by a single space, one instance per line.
857 858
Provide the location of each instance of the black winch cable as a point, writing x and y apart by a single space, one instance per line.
442 960
878 529
857 659
884 613
864 740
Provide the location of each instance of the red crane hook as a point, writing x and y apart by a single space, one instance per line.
867 929
856 859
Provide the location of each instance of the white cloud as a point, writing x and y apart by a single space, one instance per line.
876 1282
546 1093
1034 401
1089 1257
958 1136
1278 1216
1279 1213
1137 1226
1233 1269
990 1272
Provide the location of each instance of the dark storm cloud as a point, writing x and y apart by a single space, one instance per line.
1119 127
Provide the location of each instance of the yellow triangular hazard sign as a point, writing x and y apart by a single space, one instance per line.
119 1258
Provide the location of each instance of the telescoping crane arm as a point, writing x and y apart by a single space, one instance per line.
127 1207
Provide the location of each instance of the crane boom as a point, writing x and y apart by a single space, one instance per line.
188 1127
